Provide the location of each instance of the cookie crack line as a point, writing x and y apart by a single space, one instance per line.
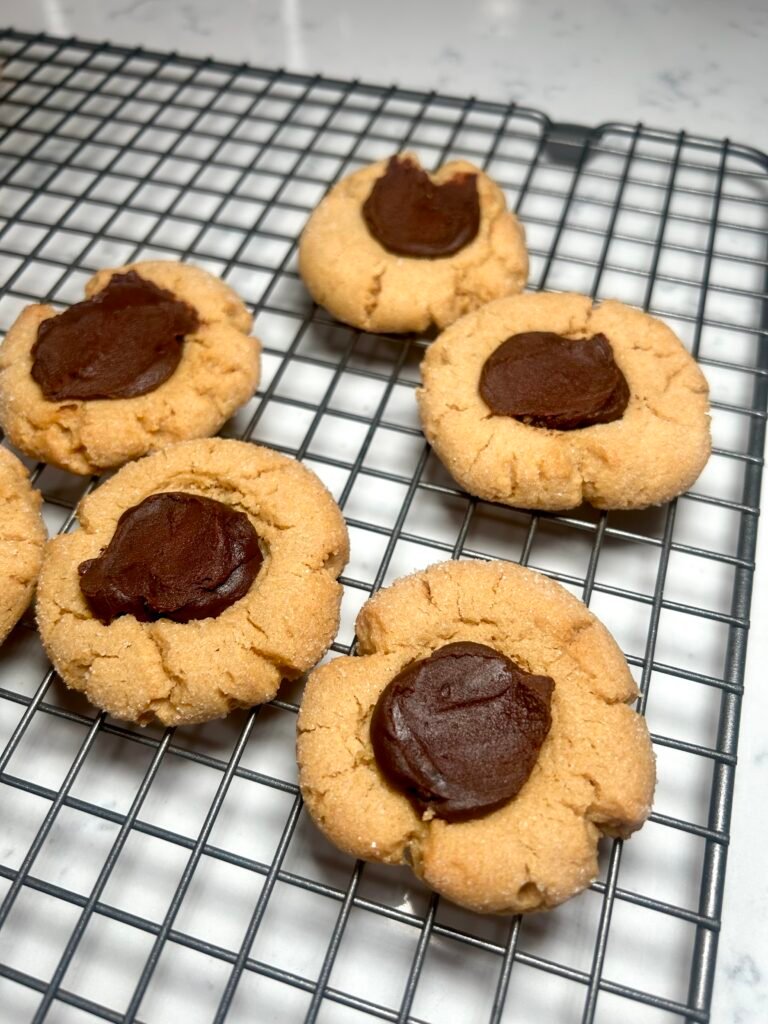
482 451
660 415
199 480
374 294
176 682
270 657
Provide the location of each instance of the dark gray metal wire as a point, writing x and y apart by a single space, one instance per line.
34 170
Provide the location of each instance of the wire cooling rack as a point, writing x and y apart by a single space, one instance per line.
156 876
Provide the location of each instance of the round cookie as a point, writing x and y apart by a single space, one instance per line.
358 281
652 453
594 774
22 536
218 371
182 672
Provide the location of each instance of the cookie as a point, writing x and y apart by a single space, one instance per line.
159 352
199 578
523 754
391 248
544 401
22 536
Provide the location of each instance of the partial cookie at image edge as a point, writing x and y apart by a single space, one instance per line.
22 537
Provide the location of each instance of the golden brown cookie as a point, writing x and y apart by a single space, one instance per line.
218 370
22 536
183 672
360 282
594 773
651 454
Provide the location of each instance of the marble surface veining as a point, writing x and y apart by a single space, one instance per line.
693 64
696 64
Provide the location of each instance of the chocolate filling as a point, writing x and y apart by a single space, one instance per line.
550 381
124 342
409 215
175 556
460 731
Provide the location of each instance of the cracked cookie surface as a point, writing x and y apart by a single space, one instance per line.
348 272
218 371
594 775
651 454
185 672
22 536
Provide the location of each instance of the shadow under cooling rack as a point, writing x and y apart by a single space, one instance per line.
149 875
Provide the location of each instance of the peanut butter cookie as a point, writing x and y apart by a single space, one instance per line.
482 735
544 401
22 536
393 248
200 577
159 352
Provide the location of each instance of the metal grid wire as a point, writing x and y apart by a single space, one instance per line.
153 876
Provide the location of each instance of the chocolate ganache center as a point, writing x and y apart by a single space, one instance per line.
176 556
409 215
460 731
124 342
547 380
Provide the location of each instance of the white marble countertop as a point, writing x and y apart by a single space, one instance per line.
692 64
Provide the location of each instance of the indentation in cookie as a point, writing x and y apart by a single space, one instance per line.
124 342
174 555
410 215
550 381
460 731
